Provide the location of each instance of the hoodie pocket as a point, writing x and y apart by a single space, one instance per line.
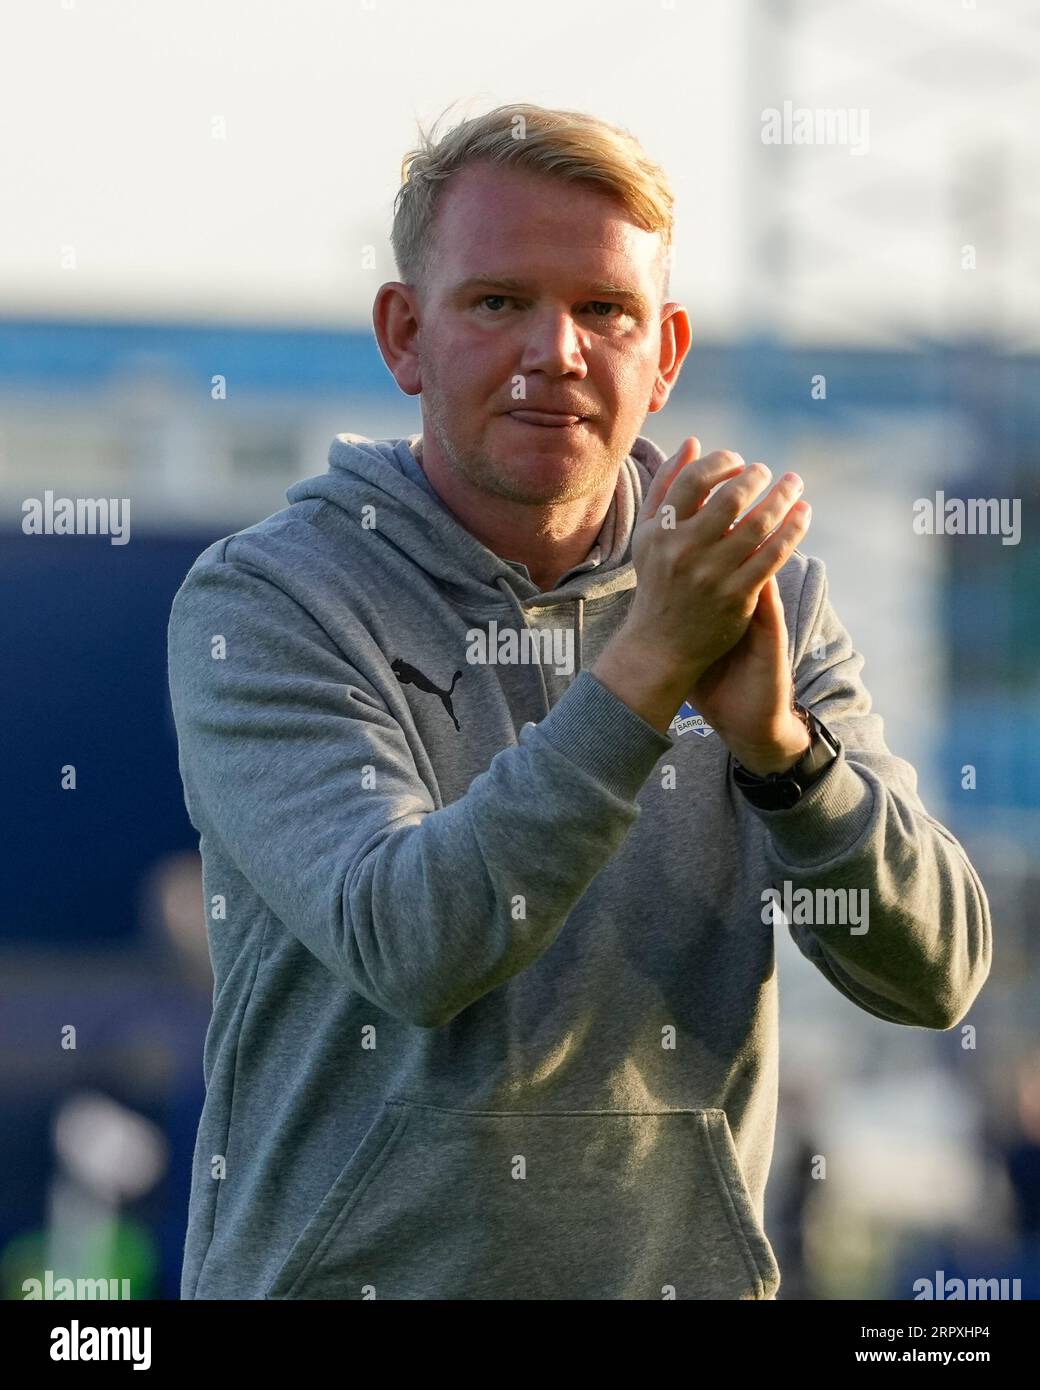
587 1204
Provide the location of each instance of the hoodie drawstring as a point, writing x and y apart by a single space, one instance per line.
503 583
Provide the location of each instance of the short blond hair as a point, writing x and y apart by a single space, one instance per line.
567 145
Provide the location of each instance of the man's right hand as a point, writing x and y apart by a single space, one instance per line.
699 574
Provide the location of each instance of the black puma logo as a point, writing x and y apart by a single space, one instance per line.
410 675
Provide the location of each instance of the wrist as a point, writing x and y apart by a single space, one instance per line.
778 755
780 789
637 675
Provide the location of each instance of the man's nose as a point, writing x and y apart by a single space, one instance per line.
555 344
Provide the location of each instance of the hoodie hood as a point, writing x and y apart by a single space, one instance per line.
386 474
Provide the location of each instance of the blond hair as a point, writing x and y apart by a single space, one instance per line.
566 145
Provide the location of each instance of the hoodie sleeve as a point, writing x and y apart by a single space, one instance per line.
291 759
926 950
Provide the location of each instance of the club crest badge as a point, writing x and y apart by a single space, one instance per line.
688 721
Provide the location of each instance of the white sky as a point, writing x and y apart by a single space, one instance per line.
106 146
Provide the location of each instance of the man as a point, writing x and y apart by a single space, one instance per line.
494 838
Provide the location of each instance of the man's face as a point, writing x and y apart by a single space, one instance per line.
542 297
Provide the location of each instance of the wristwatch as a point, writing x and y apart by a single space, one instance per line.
777 791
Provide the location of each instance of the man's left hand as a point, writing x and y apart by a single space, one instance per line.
746 696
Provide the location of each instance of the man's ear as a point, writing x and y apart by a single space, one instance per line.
395 318
676 338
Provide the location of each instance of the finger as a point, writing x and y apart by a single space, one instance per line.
769 612
774 553
688 451
762 519
729 502
691 487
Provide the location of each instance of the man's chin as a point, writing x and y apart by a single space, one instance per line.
544 475
522 442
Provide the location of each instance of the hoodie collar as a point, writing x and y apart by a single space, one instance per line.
601 552
385 474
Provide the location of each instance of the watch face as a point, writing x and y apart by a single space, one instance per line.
783 790
822 751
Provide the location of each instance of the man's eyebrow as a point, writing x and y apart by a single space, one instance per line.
597 290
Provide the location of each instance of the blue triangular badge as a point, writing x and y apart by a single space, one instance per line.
688 721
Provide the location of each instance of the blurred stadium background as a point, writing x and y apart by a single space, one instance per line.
200 194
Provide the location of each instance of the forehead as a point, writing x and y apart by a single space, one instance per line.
493 216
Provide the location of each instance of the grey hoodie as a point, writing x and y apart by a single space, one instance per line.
495 1004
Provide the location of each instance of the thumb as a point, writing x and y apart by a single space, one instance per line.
769 611
688 451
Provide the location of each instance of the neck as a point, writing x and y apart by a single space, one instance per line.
548 540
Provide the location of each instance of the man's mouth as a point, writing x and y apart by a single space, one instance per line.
546 419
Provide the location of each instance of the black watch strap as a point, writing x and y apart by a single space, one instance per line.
777 791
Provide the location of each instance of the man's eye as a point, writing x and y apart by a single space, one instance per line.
493 301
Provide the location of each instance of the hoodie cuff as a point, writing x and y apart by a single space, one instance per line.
826 823
598 732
